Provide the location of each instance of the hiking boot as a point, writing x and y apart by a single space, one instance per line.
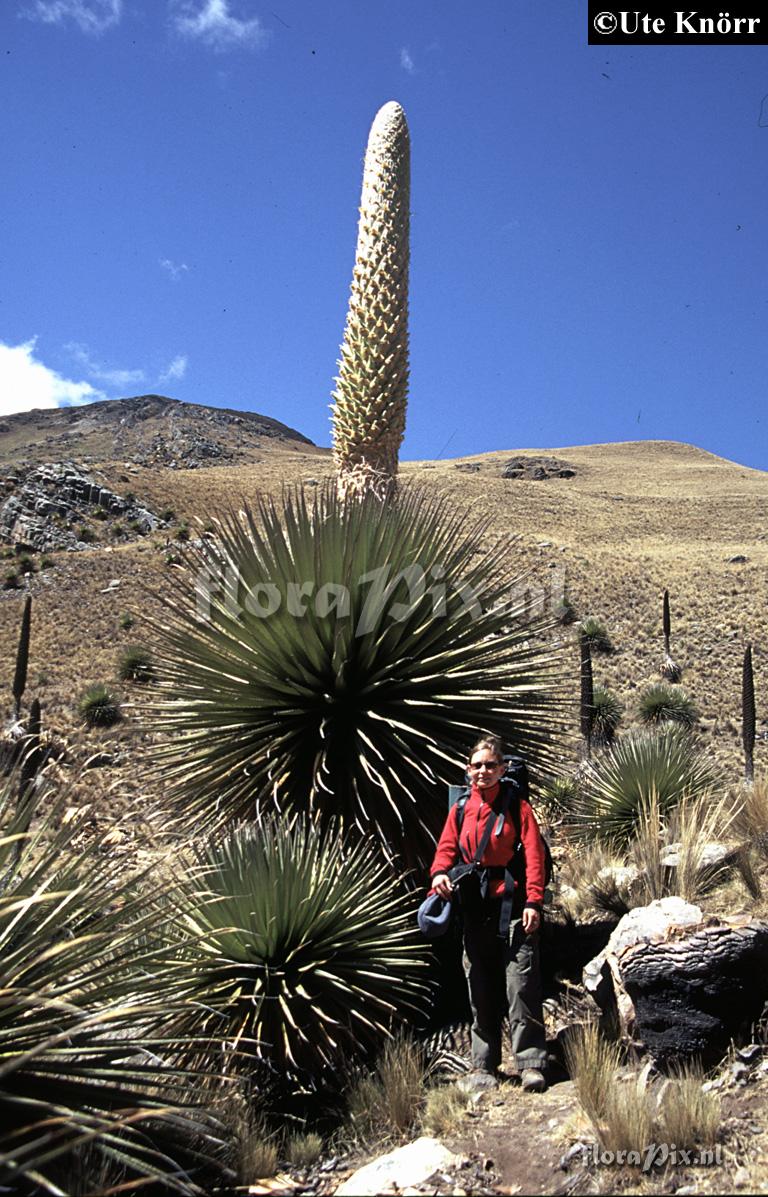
476 1081
532 1080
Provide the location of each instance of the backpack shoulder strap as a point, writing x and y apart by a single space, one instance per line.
461 806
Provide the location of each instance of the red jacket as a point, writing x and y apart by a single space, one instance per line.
478 809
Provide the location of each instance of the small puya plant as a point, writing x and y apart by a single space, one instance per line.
669 668
22 658
587 705
748 715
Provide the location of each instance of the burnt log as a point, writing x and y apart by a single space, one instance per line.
683 988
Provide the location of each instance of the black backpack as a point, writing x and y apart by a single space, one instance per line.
516 776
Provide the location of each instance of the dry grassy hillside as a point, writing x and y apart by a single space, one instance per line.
635 518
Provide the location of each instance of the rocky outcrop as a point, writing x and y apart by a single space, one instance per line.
40 508
538 469
683 986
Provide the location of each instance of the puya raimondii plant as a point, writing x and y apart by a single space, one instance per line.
298 949
349 649
90 1091
663 765
335 656
372 385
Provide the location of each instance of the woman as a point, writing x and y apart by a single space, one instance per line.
498 957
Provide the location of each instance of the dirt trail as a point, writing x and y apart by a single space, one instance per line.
521 1139
519 1134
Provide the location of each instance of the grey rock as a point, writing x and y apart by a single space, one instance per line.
739 1072
45 500
574 1155
537 469
400 1169
476 1082
710 855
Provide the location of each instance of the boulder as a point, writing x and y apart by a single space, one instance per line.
682 985
400 1169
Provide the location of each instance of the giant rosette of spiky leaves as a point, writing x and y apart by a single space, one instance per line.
339 656
662 767
298 949
372 386
91 1093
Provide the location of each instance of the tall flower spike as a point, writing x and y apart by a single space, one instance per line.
372 385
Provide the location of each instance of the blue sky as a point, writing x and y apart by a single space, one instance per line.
589 230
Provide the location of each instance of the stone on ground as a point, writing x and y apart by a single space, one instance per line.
399 1169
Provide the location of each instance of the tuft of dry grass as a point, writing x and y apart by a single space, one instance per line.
623 1109
687 1115
751 816
386 1103
588 882
444 1109
592 1063
304 1150
691 826
252 1143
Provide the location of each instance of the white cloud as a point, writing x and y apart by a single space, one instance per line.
212 22
175 269
26 383
406 62
93 16
113 377
177 368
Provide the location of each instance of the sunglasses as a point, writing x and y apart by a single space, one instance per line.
484 764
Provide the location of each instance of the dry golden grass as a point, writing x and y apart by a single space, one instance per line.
627 1113
304 1150
385 1104
443 1111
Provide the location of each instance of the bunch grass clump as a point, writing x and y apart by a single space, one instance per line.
444 1109
135 665
626 1112
687 832
305 1149
386 1104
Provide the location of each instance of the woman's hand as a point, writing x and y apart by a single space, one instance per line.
531 920
442 885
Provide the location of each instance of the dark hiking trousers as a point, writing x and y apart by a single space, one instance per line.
503 977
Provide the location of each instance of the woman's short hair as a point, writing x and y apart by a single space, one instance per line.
491 743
